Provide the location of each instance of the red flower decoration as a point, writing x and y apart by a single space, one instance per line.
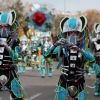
39 18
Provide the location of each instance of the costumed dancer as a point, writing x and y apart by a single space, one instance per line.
34 49
93 35
89 69
22 51
96 52
9 29
34 53
74 56
46 43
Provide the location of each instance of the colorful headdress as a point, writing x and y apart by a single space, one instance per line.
79 24
12 25
40 18
97 27
7 18
73 24
23 38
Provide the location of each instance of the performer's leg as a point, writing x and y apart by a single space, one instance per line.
4 88
42 66
96 84
24 67
3 78
97 87
65 90
32 64
50 69
42 71
38 66
14 85
61 91
20 67
81 94
92 71
87 71
38 63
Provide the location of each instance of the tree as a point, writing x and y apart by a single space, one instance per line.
93 16
21 11
4 4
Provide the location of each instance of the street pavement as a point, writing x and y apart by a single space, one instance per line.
38 88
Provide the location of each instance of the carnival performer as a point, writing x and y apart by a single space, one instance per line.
33 49
34 53
96 52
89 69
22 51
74 54
9 29
46 43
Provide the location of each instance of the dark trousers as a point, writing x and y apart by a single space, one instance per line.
12 83
65 84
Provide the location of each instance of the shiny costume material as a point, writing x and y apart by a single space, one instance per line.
22 51
96 50
34 57
74 56
48 62
8 56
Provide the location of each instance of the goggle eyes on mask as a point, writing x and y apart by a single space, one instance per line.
4 27
73 33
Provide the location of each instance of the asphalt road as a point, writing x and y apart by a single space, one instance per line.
38 88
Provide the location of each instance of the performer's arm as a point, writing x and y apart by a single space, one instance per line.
11 50
88 56
50 51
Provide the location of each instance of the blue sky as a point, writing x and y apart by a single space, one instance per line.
70 5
